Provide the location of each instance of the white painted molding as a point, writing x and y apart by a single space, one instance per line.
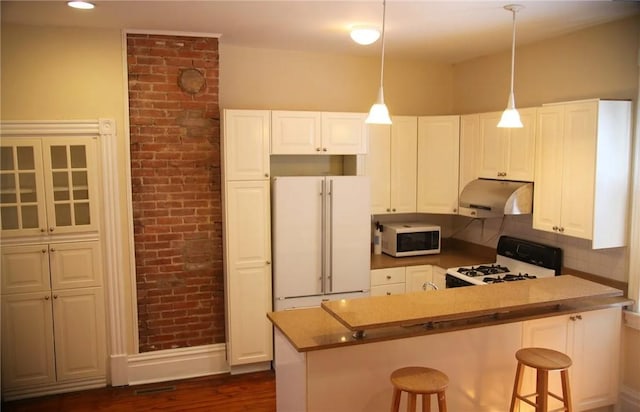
173 33
629 400
181 363
634 235
632 319
52 389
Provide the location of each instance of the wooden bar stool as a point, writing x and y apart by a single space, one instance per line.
415 381
542 360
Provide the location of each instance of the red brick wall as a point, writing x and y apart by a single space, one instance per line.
175 178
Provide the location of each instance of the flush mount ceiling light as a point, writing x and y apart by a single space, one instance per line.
364 35
379 114
84 5
511 117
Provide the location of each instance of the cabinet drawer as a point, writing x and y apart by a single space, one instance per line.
392 289
387 276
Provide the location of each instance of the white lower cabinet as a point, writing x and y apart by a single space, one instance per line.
53 320
405 279
592 341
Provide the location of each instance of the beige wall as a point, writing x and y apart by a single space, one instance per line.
296 80
598 62
67 74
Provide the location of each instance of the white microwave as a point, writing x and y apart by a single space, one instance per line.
410 239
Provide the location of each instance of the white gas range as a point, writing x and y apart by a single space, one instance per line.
516 259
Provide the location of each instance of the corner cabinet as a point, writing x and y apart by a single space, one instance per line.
583 169
247 237
438 159
392 165
330 133
506 154
592 341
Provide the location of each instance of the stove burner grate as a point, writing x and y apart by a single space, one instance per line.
509 278
483 270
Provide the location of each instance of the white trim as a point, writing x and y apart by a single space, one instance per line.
250 367
629 400
181 363
631 319
171 33
52 389
62 127
128 192
634 235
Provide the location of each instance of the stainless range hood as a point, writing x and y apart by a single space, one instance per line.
495 198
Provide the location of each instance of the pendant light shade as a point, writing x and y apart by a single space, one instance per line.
379 114
511 117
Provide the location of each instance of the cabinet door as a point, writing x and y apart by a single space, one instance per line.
438 157
80 338
469 142
492 149
245 144
417 277
22 194
296 133
71 169
439 277
248 272
388 290
521 148
596 356
378 168
75 265
578 170
548 169
25 269
404 145
27 340
344 133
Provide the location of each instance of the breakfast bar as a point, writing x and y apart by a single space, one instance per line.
338 357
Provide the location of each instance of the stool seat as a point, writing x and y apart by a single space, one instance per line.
417 380
543 360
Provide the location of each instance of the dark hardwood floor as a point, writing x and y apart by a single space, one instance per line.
255 392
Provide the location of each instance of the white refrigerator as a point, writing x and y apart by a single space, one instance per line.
321 239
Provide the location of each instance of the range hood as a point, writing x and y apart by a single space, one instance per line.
495 198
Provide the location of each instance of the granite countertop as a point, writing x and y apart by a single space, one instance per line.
315 328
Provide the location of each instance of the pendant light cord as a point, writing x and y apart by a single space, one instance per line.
513 47
382 40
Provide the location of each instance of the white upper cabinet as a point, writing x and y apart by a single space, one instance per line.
392 165
582 170
48 186
333 133
469 132
245 144
506 154
438 158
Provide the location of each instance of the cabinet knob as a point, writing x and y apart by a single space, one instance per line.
579 317
317 149
268 262
388 293
44 251
455 210
51 229
388 277
561 229
473 213
266 175
55 296
52 250
324 149
555 228
46 297
42 230
393 210
388 210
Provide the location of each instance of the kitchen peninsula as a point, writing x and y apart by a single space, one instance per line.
339 357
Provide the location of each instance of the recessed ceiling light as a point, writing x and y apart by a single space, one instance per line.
85 5
364 35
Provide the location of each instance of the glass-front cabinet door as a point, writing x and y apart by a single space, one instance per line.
48 186
22 196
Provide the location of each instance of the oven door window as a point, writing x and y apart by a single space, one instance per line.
409 242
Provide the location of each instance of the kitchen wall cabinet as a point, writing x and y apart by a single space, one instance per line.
246 143
506 154
53 321
49 186
592 341
469 132
331 133
247 236
392 165
582 171
438 161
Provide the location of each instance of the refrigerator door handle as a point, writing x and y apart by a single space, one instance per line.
330 234
323 238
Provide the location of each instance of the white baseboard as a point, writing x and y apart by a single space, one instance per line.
629 400
252 367
53 389
173 364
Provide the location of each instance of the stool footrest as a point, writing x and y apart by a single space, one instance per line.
523 398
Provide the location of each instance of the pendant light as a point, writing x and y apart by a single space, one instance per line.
379 114
511 117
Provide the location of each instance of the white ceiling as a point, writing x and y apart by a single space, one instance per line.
446 31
